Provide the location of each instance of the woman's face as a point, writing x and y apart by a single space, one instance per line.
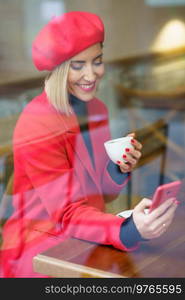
85 72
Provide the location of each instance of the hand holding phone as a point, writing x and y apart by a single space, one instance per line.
165 192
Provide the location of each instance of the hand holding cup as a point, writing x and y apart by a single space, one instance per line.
124 151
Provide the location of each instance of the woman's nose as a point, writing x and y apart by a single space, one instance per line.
89 73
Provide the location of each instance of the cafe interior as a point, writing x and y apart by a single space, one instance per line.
144 90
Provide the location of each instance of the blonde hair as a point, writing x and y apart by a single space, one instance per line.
56 88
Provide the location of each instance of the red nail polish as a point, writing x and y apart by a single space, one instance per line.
118 162
177 202
124 156
127 149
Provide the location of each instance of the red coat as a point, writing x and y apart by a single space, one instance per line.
57 192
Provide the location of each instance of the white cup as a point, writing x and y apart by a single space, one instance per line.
116 148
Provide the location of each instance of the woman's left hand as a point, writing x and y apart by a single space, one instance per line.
132 156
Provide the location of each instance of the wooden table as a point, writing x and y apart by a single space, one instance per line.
162 257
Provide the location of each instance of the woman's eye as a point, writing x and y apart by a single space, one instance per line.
98 62
76 66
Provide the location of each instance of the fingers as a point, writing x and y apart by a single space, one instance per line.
131 134
162 208
132 156
143 204
158 225
135 153
136 144
157 232
127 166
154 224
124 167
167 217
131 160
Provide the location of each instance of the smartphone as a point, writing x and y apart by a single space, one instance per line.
164 192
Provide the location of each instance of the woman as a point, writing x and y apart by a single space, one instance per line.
62 173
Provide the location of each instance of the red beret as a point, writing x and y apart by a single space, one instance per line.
65 36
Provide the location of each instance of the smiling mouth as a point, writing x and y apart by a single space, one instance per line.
87 87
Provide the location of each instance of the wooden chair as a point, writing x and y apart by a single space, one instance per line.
6 181
6 154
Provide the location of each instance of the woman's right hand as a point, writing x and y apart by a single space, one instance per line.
154 224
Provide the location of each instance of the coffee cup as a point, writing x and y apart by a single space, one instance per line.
116 148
